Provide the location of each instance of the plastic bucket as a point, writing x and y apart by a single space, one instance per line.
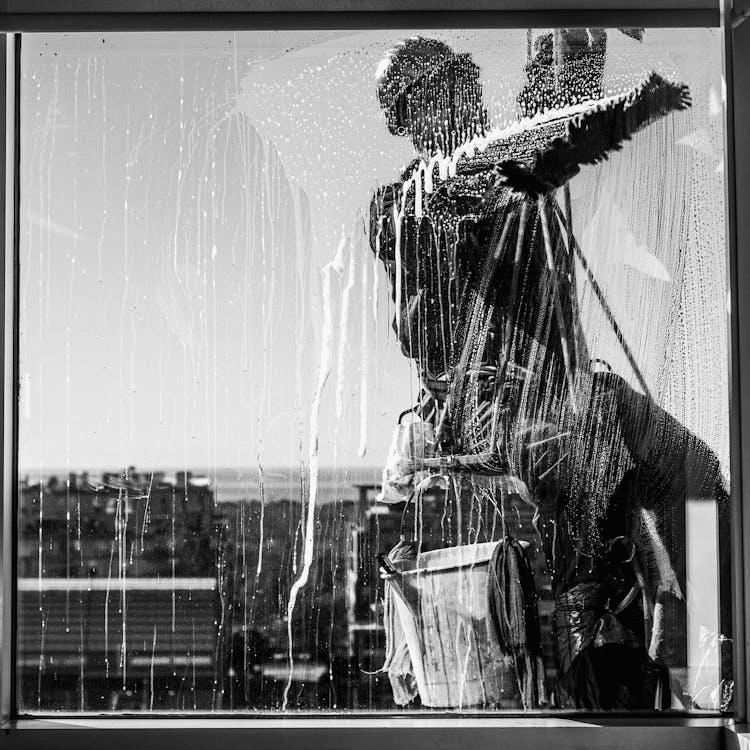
443 610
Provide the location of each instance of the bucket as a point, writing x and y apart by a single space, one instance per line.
441 601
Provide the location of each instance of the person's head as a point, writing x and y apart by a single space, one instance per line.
431 94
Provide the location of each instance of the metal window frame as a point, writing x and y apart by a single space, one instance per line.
586 730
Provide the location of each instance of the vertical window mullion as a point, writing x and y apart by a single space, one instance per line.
737 77
9 81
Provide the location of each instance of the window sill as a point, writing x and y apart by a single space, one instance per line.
737 737
378 733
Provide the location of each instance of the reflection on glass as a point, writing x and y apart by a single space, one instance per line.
418 344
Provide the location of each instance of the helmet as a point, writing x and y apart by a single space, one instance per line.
410 61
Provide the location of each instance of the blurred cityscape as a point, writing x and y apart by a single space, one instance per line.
139 592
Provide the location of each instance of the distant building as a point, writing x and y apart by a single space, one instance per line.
129 524
138 592
117 590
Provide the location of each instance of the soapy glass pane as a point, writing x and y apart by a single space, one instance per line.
244 256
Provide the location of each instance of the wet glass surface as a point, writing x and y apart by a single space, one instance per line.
373 371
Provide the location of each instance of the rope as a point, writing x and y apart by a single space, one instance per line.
606 308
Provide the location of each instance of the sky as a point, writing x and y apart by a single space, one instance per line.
194 243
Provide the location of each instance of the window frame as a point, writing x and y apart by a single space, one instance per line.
581 730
